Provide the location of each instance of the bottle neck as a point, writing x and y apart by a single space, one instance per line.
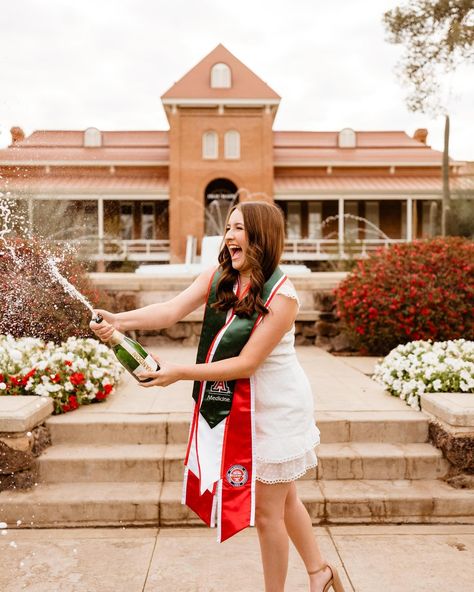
116 338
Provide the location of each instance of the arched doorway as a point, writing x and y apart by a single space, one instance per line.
220 195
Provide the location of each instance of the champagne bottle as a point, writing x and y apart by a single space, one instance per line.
130 354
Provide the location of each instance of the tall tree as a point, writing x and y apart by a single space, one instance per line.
438 35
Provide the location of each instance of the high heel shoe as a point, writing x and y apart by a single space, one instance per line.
334 582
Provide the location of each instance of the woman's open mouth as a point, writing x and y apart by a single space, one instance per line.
235 252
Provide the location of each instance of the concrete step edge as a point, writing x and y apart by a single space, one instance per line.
73 451
77 452
350 501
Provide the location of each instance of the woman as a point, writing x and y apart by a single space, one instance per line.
285 434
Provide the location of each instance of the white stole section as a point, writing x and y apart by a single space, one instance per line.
209 446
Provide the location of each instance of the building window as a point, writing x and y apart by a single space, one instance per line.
147 230
210 145
372 216
351 223
92 138
314 219
429 216
347 138
232 145
293 220
221 76
126 221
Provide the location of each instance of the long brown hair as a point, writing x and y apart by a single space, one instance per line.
265 228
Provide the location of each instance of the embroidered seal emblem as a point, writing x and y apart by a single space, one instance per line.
237 475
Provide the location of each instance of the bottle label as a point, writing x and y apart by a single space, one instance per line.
147 364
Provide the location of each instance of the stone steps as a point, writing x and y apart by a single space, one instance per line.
166 428
107 468
356 501
164 462
148 503
102 462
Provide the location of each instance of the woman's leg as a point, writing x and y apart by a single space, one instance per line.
272 535
300 529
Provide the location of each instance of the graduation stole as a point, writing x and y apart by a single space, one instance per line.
219 475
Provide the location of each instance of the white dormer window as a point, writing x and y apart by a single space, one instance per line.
210 145
221 76
347 138
92 138
232 145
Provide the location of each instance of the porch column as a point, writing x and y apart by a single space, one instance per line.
340 225
100 233
409 236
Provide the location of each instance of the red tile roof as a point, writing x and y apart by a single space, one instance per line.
64 146
290 149
85 184
365 139
378 148
329 184
196 83
355 157
365 184
113 139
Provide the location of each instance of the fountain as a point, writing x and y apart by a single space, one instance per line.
215 216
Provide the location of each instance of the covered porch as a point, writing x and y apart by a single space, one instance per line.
348 217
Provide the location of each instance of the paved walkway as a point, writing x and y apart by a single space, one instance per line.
337 386
392 558
411 558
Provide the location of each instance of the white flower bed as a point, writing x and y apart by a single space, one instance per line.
74 373
422 366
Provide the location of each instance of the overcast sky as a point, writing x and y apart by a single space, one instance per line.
72 64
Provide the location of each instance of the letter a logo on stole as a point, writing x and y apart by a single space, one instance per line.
220 387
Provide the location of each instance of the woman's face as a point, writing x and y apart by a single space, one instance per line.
236 240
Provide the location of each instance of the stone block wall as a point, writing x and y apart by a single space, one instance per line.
327 331
451 429
18 453
317 323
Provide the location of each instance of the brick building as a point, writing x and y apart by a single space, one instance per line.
153 195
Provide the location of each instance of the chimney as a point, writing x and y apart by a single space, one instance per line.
421 135
18 135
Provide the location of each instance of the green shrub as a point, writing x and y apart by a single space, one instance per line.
33 303
419 290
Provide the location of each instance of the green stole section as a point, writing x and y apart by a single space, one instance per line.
217 397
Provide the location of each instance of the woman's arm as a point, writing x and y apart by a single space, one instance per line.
261 343
160 315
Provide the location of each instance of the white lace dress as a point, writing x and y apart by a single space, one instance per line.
286 433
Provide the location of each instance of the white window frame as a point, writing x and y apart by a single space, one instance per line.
232 145
221 76
347 138
92 138
210 145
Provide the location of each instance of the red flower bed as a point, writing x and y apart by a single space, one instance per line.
419 290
